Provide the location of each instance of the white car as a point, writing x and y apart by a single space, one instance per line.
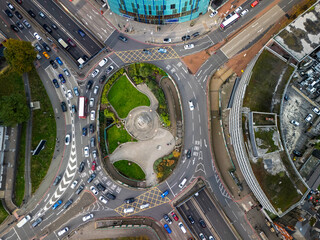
103 62
92 115
244 12
67 139
74 184
69 94
213 14
66 72
91 103
183 182
191 106
316 110
96 90
86 152
87 217
189 46
95 73
63 231
102 199
309 117
94 190
167 40
294 122
36 35
94 154
238 10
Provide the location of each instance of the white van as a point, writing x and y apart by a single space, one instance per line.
183 182
146 205
24 221
182 227
128 210
63 231
103 62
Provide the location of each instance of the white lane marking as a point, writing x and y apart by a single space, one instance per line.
16 233
171 188
182 175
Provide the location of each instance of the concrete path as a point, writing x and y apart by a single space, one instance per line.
153 100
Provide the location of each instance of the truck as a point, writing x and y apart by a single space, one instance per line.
63 43
23 221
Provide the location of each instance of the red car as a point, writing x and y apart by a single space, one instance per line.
255 3
175 217
93 165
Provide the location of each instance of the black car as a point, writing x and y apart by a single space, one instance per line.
54 26
101 187
57 180
31 13
189 153
62 79
63 107
9 13
19 25
168 220
18 14
80 188
185 38
123 39
102 79
191 219
85 58
14 28
129 200
46 46
81 167
74 108
84 131
89 84
47 28
55 83
202 223
196 34
92 176
53 64
68 204
297 153
37 222
110 196
19 1
91 128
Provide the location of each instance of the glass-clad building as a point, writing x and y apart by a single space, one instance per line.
159 11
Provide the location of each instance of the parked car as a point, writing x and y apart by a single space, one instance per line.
185 38
86 151
89 84
294 122
36 35
38 47
94 190
92 115
76 91
213 14
84 131
18 14
196 34
93 166
68 203
53 64
167 228
14 28
166 217
11 7
59 61
202 223
103 200
46 46
67 139
316 110
110 196
87 217
129 200
57 180
109 69
96 90
81 167
80 189
9 13
63 231
26 23
309 117
19 25
244 12
91 102
95 73
102 78
103 62
297 153
238 10
69 94
175 217
92 142
101 187
55 83
62 79
91 128
191 220
167 40
63 106
188 46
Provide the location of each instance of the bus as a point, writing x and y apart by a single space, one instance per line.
63 43
83 107
229 21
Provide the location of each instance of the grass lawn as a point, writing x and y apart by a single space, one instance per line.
43 127
11 82
20 183
130 170
3 213
123 96
116 136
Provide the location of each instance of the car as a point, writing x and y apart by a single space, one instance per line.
316 110
102 78
81 167
146 51
191 106
36 35
95 73
38 56
62 79
47 28
93 166
14 28
175 217
74 108
128 210
183 182
167 228
211 238
19 25
37 222
144 205
46 46
123 39
309 117
196 34
202 237
103 62
71 42
18 14
31 13
110 196
244 12
19 1
182 227
188 154
11 7
89 84
92 142
109 69
9 13
81 33
57 180
103 200
191 220
59 61
185 37
54 26
92 115
63 106
202 223
189 46
213 13
162 50
42 15
74 184
94 154
26 23
76 91
57 204
101 187
67 139
84 131
55 83
63 231
92 176
167 40
297 153
129 200
166 217
53 64
96 90
91 102
91 128
67 73
46 55
38 47
94 190
69 94
86 151
165 193
80 189
255 3
294 122
238 10
68 203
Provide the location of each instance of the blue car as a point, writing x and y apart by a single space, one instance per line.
59 61
165 193
62 79
162 50
76 91
57 204
167 228
55 83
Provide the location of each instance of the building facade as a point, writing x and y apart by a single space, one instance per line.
159 11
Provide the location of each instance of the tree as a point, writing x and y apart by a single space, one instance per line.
20 55
145 71
13 109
